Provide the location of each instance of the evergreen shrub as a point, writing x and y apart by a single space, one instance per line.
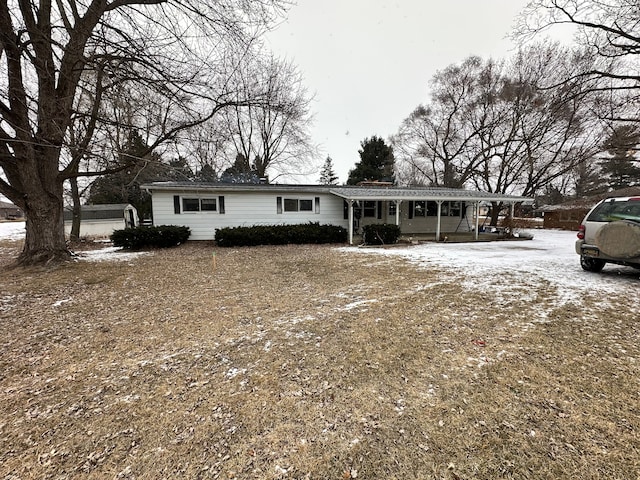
380 234
280 235
161 236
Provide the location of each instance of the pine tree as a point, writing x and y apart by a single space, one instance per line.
621 167
376 162
327 174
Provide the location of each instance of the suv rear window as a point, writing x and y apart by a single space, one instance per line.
617 210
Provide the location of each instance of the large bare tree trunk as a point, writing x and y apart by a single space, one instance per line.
43 207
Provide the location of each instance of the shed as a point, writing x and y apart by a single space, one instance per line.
8 211
569 215
102 220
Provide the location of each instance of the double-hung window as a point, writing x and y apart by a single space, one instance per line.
198 204
297 205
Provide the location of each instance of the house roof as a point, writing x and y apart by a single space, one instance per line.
99 212
348 192
585 203
7 205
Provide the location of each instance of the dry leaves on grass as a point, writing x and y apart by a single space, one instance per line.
307 362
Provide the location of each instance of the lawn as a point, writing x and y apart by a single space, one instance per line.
313 362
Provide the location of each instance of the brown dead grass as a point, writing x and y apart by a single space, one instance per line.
307 362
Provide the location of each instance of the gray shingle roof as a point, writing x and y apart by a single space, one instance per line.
348 192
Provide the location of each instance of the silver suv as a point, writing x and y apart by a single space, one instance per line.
610 233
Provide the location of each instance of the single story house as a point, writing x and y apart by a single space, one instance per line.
8 211
205 207
102 220
569 215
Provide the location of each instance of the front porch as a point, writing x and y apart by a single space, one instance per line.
431 214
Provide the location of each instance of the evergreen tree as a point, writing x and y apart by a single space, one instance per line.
240 172
142 167
376 162
206 174
621 167
327 174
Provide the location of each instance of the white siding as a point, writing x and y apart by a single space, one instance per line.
96 228
244 209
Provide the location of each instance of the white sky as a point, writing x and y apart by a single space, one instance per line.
369 62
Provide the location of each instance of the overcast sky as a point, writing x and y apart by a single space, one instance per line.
369 62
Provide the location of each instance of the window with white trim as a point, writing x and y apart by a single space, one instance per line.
198 204
369 209
297 205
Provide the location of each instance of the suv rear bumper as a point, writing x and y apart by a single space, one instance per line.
593 251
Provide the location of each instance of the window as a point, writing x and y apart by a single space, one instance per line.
200 204
190 205
454 209
392 209
432 209
419 208
208 204
369 209
297 205
290 205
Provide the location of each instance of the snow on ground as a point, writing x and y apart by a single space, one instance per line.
16 231
12 230
548 258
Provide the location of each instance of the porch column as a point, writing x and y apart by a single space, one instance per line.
439 202
350 220
513 209
476 207
398 202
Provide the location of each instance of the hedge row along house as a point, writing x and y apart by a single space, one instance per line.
205 207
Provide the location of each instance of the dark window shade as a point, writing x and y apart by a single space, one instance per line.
176 204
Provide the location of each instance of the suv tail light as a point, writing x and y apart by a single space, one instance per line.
581 231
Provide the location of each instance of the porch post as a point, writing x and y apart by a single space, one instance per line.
439 202
476 207
513 209
350 220
398 202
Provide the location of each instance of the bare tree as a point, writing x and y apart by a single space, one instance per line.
179 50
490 125
441 138
273 136
609 31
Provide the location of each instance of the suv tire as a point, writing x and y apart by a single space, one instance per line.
591 264
620 239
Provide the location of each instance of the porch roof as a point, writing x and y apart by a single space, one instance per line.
424 193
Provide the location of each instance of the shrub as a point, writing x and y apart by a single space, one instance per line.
162 236
380 234
280 235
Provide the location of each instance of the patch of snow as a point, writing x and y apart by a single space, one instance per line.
12 230
506 267
357 304
109 254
